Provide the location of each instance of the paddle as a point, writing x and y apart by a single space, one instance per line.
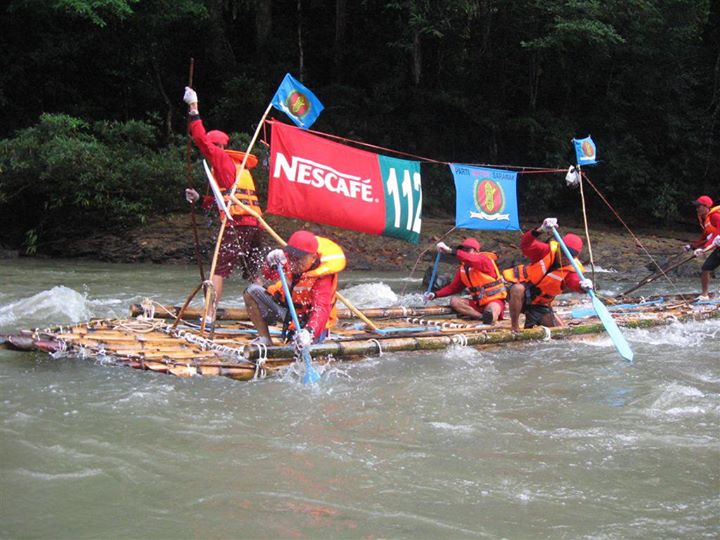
602 312
656 275
434 273
311 376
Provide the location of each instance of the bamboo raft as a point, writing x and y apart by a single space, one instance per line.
149 338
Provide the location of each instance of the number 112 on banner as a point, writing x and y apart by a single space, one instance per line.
403 198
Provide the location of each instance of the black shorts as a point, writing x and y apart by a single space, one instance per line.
712 262
272 312
534 313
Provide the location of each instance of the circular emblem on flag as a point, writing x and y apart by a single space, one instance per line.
587 149
489 196
298 104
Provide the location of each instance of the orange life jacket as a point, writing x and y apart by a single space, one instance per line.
331 261
544 277
245 186
708 229
483 287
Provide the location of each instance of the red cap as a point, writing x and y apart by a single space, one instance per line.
470 243
302 243
218 137
574 242
703 200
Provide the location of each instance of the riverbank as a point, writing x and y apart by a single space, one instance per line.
169 240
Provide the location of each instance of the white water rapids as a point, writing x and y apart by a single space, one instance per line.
541 440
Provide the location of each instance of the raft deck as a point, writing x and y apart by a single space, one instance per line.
149 339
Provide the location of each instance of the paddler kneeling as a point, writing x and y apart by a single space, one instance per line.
479 274
311 265
535 285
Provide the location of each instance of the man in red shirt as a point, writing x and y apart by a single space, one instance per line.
311 264
480 275
536 285
709 219
243 238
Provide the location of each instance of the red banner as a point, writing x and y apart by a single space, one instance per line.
318 180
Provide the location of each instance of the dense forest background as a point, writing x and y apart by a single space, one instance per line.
92 132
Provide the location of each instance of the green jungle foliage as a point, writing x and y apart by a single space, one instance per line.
89 83
65 176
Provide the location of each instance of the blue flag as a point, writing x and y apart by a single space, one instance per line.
299 103
485 198
585 151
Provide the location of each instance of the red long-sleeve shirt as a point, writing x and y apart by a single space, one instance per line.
321 294
706 239
478 261
222 166
535 250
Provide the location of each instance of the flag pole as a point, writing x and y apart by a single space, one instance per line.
224 221
283 243
585 221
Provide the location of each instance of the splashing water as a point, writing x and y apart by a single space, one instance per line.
61 303
371 295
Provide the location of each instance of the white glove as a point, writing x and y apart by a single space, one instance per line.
442 247
699 252
549 224
687 248
716 242
275 257
303 339
572 178
587 284
191 195
190 96
429 296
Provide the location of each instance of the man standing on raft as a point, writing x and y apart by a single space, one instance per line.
535 285
242 239
479 274
709 219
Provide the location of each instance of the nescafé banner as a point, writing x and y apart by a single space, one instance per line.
485 198
315 179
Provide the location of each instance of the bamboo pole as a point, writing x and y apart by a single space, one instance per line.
240 314
585 221
193 217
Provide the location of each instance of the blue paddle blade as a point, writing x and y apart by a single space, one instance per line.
311 376
611 326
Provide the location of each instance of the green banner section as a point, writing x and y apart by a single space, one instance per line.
403 198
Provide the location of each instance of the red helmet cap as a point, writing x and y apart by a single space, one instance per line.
218 137
470 243
703 200
574 242
302 243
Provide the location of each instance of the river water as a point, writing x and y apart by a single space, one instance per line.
556 440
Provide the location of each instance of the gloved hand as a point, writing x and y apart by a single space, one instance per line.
572 178
190 96
429 296
191 195
699 252
275 257
442 247
716 242
303 339
687 248
549 224
587 284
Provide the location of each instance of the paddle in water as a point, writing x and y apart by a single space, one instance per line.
311 376
434 273
609 323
